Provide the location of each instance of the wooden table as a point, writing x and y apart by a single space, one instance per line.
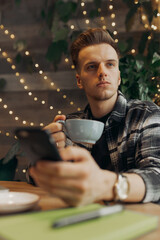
47 202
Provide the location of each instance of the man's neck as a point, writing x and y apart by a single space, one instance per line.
101 108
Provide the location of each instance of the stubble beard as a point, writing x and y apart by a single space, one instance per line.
103 96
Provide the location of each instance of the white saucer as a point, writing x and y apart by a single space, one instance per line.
11 202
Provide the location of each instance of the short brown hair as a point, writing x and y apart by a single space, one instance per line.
91 37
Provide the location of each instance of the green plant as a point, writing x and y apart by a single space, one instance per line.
140 77
9 163
141 72
137 70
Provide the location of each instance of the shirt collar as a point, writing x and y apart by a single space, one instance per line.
117 114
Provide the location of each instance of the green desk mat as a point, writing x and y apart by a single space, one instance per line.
37 225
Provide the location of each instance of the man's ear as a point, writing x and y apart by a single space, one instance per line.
79 82
119 78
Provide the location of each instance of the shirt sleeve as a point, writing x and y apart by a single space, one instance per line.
148 157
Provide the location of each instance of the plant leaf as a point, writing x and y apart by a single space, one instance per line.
55 51
130 17
61 34
65 9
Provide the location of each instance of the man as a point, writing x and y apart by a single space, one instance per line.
130 143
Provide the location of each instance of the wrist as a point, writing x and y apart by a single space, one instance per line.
109 183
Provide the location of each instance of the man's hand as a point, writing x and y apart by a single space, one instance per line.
77 183
56 130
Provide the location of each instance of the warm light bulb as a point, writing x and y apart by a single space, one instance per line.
6 32
87 21
21 80
13 67
72 66
26 53
12 36
113 15
110 7
133 51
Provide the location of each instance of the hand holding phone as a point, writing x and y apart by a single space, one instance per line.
37 144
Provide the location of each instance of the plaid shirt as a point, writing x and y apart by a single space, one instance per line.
133 137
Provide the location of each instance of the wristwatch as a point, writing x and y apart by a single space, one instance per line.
121 188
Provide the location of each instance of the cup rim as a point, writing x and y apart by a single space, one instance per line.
87 120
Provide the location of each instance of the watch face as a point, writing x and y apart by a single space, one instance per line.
121 187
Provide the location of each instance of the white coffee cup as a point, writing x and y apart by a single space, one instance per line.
83 130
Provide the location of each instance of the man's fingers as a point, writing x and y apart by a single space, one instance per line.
59 136
61 169
55 127
59 117
76 153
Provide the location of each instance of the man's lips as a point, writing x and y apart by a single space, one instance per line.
103 83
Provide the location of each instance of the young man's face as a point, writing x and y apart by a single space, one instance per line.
98 73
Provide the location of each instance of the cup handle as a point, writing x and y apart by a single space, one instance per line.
62 122
64 127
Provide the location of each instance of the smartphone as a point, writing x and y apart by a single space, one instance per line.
37 144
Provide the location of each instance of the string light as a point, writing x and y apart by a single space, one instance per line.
87 21
113 22
36 64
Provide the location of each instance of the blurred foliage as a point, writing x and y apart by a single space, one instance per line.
9 163
2 83
7 170
137 71
140 73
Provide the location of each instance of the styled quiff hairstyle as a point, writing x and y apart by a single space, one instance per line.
90 37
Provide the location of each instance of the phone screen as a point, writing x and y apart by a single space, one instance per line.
37 144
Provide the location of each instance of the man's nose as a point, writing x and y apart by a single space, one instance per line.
102 73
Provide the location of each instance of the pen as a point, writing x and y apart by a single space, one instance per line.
88 216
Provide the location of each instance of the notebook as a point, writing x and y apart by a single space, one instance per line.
38 225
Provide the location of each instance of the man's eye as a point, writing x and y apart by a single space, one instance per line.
91 67
110 64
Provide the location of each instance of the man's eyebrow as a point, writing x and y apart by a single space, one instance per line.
96 62
111 60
